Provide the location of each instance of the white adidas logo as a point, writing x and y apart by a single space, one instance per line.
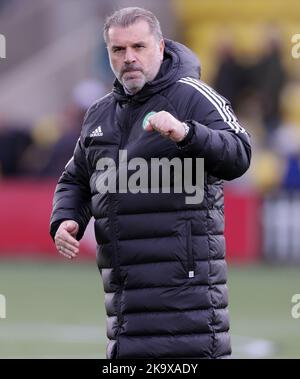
97 132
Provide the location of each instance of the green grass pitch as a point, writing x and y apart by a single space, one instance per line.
56 310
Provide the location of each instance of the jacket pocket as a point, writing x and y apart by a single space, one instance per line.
189 249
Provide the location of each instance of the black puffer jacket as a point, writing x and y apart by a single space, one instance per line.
161 260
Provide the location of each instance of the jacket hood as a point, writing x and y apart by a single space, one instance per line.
179 62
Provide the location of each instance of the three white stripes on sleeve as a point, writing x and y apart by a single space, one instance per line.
217 101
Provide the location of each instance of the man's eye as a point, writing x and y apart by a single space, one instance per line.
139 47
117 49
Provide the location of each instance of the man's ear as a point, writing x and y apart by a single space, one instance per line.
162 48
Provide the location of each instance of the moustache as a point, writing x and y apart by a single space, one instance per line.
131 68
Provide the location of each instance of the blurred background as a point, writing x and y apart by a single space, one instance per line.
56 65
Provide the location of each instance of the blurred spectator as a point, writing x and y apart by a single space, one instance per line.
45 133
286 143
230 74
14 140
268 106
83 96
45 148
262 80
291 179
268 80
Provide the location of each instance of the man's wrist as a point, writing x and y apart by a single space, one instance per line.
189 129
186 130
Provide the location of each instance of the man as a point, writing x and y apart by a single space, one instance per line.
160 258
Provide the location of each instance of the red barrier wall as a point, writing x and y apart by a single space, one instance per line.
25 208
243 226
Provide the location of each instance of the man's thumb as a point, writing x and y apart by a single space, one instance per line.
72 227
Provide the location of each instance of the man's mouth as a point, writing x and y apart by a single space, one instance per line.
131 74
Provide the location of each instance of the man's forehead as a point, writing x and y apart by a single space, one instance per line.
136 32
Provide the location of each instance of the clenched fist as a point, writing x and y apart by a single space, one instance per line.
65 241
167 125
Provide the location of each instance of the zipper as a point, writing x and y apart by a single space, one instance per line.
189 249
112 209
113 226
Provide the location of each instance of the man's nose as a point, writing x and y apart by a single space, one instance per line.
129 56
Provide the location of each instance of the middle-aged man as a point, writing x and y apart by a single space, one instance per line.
161 257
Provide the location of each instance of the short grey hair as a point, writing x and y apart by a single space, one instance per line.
129 16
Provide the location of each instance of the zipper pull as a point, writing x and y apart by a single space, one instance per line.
191 274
